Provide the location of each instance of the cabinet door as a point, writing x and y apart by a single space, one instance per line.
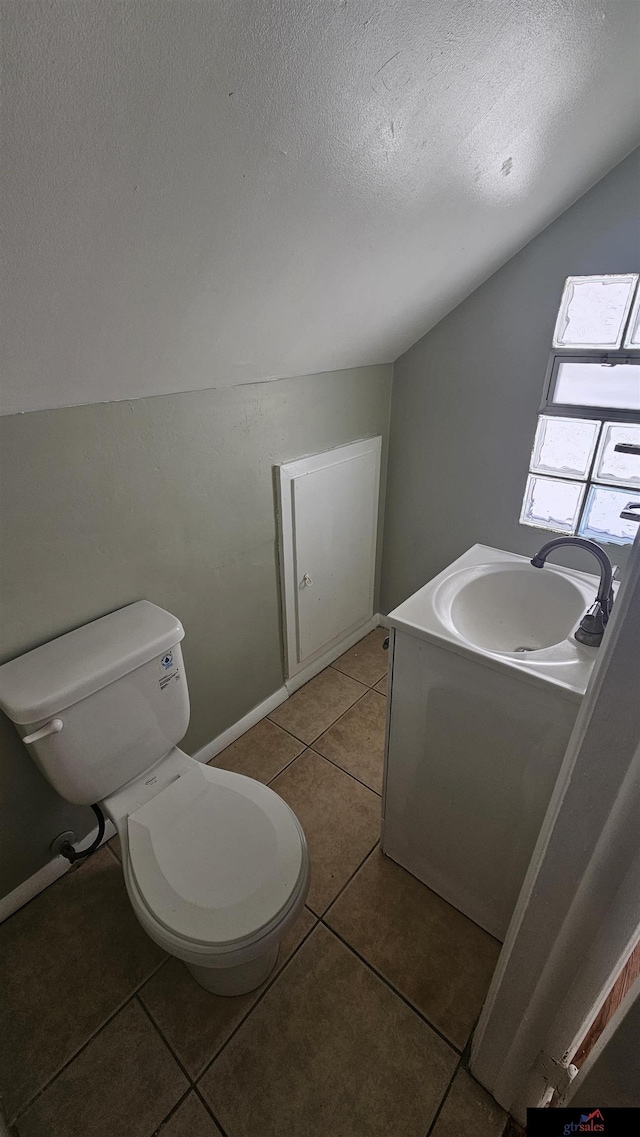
329 516
473 756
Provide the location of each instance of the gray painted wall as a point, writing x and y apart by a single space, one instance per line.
466 396
169 498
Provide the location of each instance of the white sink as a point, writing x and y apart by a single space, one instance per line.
495 605
513 608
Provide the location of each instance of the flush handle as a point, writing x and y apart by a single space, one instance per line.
53 727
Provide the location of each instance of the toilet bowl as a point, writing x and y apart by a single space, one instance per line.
215 864
217 870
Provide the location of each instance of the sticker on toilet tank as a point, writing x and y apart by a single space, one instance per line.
168 670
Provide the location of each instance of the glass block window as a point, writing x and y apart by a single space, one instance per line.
564 446
551 503
585 462
601 518
594 311
619 469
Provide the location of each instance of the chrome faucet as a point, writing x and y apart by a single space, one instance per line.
594 621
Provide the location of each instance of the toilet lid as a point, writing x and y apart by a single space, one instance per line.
216 856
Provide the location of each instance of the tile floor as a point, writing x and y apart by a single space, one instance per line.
359 1032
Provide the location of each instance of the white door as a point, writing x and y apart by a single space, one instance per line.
611 1073
328 536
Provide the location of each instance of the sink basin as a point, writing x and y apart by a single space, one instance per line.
513 608
497 608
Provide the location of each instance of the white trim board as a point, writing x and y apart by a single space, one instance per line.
329 657
211 749
52 871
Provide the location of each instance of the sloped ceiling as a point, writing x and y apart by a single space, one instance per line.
209 192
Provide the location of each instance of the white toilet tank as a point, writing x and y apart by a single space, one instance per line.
118 687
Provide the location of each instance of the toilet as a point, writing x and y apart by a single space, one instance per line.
215 864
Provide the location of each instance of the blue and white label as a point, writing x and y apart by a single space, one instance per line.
169 670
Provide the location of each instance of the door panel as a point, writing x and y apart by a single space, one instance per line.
335 532
328 536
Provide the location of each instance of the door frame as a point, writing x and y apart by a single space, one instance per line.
577 917
601 1078
287 473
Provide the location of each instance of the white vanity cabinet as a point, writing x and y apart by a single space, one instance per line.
470 767
474 746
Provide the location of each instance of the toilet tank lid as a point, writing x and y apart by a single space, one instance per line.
50 678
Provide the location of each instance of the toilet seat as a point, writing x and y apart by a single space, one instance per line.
217 858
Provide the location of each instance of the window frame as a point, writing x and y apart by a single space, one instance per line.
572 410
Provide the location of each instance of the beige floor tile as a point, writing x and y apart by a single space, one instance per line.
191 1119
430 952
469 1109
340 818
382 686
367 661
318 704
356 741
121 1085
196 1023
261 753
329 1050
68 959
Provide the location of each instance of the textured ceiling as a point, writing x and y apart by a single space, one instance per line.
206 193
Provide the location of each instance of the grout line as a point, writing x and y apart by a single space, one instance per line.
343 771
269 984
371 686
288 764
310 746
325 911
196 1090
341 716
334 764
168 1045
334 721
445 1095
174 1109
105 1023
387 983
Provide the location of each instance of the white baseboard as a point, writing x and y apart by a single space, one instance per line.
45 876
318 665
210 749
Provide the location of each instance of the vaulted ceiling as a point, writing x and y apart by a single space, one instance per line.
209 192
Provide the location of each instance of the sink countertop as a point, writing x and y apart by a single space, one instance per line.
566 664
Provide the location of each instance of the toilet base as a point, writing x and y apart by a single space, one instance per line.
237 980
